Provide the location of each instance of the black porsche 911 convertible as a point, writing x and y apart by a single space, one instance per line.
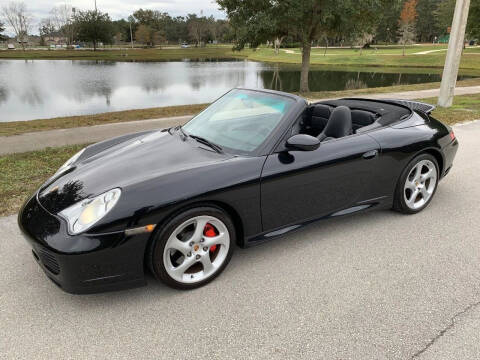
254 165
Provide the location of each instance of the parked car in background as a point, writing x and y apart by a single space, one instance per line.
185 45
11 47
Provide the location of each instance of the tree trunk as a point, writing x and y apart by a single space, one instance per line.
306 49
326 47
277 42
404 45
94 45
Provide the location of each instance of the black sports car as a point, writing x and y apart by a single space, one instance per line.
254 165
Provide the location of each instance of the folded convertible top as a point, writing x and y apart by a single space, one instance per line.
414 105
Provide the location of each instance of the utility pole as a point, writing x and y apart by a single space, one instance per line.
131 36
454 53
73 20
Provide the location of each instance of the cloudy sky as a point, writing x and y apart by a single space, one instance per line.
118 9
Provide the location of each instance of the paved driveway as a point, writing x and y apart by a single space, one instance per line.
373 286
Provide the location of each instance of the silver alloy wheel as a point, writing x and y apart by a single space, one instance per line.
188 255
420 184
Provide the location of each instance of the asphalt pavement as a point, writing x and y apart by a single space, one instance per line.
379 285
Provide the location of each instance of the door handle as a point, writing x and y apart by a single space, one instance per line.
370 154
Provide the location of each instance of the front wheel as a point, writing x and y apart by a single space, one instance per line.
417 185
193 248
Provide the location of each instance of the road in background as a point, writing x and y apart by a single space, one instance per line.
379 285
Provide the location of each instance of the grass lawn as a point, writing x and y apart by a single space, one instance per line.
136 54
465 108
22 173
382 56
121 55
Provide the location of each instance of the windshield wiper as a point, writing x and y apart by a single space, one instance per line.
204 141
184 134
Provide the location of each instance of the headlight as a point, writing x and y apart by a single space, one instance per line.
70 161
86 213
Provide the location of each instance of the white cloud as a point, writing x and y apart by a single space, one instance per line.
118 9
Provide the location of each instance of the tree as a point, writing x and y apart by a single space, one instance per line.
176 29
94 26
16 15
147 35
148 17
473 25
257 22
361 27
62 19
2 29
426 25
408 16
387 17
197 28
46 29
122 30
154 23
444 15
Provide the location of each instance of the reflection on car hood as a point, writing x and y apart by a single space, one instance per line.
130 162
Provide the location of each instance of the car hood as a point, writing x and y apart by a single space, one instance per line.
130 162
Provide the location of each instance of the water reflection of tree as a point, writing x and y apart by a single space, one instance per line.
91 83
276 83
285 79
94 63
105 90
355 83
151 84
3 94
32 96
70 193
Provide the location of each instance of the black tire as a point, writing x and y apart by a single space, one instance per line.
155 253
399 203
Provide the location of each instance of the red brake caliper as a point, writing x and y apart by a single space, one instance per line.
210 231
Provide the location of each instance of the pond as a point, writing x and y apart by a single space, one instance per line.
36 89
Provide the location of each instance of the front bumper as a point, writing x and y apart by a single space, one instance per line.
86 263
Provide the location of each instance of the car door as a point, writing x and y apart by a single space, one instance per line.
298 186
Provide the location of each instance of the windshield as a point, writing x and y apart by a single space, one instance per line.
241 120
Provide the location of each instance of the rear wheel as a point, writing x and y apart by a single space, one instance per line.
417 185
193 248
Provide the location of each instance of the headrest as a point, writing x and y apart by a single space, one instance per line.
321 111
340 123
363 118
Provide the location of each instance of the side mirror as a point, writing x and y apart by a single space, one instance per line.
303 142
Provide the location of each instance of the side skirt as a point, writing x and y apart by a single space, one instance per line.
383 202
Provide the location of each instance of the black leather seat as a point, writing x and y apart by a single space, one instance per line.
361 118
339 124
320 116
